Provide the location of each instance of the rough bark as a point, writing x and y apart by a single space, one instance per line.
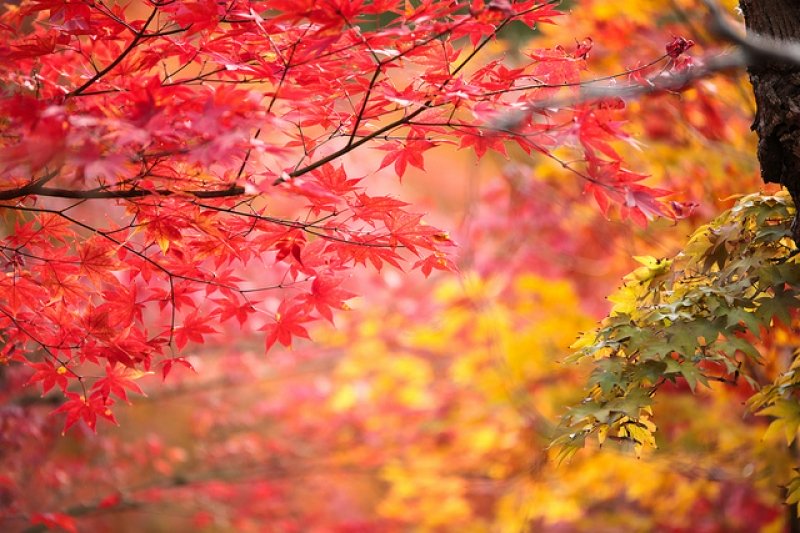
777 92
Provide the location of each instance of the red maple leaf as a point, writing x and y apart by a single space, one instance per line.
193 328
50 375
78 408
288 323
326 294
166 366
405 153
116 381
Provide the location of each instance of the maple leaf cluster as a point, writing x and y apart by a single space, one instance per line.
169 168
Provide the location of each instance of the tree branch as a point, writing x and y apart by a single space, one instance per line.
56 192
752 49
756 48
137 37
667 81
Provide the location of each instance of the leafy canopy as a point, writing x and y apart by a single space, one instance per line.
168 169
698 318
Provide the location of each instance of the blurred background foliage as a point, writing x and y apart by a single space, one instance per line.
430 406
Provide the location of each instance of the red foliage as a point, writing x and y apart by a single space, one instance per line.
145 147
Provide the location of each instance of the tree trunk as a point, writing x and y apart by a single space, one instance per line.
777 91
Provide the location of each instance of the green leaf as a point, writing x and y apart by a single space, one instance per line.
607 375
692 375
746 317
733 344
648 372
777 305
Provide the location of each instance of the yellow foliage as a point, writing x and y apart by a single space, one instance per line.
477 460
344 398
419 493
642 12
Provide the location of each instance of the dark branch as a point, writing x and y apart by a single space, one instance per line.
137 37
55 192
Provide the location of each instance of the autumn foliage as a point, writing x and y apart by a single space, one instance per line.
210 185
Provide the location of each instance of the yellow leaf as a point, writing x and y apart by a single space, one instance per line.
138 374
163 242
652 268
625 300
639 433
602 433
787 416
584 341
